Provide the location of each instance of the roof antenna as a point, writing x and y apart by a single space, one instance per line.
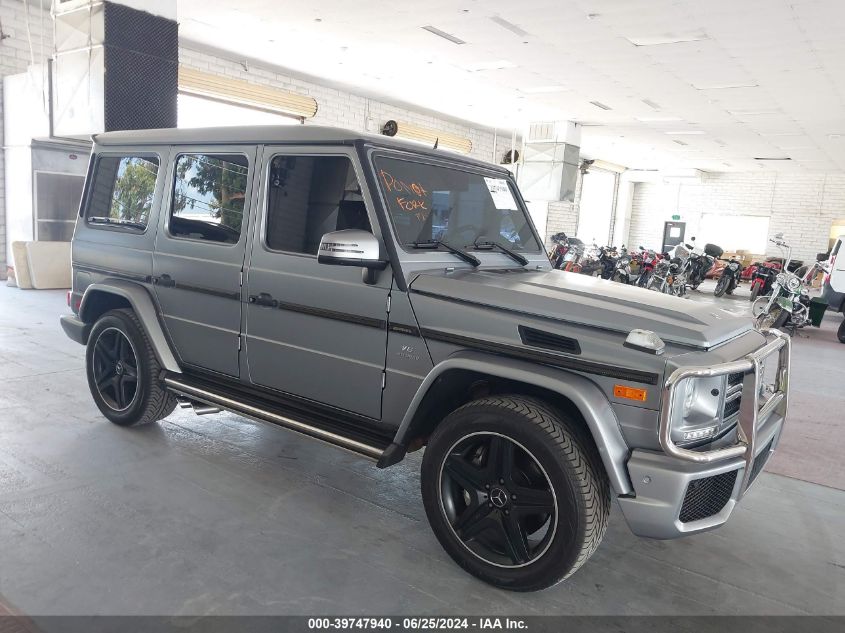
436 141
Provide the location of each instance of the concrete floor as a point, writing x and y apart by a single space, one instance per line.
220 515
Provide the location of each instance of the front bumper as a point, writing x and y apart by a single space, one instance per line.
682 491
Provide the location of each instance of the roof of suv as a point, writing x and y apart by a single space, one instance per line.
270 134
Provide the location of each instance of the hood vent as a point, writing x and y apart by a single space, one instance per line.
547 340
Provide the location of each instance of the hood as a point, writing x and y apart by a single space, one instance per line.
588 301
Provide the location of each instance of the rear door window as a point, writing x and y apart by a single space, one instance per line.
209 193
123 190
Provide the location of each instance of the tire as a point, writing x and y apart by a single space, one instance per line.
755 291
775 319
840 333
127 395
554 467
643 279
618 278
721 286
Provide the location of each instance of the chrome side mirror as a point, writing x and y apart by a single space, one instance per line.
352 247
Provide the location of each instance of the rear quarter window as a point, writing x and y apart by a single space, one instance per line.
122 191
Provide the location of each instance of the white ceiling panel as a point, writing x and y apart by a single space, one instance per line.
756 76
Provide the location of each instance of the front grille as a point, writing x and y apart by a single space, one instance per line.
548 340
735 379
731 407
760 461
706 497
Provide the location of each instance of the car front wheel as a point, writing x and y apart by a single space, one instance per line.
123 371
515 492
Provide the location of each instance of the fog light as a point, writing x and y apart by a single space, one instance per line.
700 434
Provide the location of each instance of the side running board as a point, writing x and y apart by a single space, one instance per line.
263 413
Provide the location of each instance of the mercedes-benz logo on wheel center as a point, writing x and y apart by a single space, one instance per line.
498 497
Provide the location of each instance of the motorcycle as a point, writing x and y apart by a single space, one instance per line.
649 261
563 245
623 272
603 264
789 302
700 262
762 277
729 279
670 274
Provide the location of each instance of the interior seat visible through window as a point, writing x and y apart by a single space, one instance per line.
309 196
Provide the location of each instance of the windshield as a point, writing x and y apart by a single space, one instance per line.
428 202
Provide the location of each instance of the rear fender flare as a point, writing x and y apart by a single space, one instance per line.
585 394
142 303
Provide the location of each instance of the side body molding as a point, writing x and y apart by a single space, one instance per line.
142 303
587 397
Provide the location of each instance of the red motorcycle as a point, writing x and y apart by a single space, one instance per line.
649 261
563 245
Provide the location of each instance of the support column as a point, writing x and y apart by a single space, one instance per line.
549 175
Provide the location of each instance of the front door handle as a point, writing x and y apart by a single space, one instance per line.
165 281
264 299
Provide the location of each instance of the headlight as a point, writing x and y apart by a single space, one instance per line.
733 265
781 279
793 284
697 415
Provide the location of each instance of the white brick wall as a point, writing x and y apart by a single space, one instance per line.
15 58
801 206
344 109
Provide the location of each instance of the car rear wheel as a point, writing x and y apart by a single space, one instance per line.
123 371
515 492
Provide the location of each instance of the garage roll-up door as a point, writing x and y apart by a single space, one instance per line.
243 93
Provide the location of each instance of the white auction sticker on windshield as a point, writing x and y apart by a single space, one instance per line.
501 193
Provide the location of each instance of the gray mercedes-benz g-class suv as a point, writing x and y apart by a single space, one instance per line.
384 297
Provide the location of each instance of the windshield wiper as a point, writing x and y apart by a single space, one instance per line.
104 220
519 259
467 257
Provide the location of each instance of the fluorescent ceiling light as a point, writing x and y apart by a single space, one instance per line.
668 38
773 158
781 134
685 132
834 137
599 104
657 119
498 64
680 142
651 104
539 89
795 148
724 86
510 26
443 34
754 112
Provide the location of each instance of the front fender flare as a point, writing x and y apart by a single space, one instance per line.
142 303
585 394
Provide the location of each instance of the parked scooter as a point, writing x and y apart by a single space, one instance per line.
729 279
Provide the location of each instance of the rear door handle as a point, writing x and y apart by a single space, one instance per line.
165 281
264 299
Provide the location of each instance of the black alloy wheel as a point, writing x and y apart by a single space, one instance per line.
498 500
124 374
115 369
515 491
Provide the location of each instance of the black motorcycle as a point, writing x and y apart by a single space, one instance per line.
700 264
730 278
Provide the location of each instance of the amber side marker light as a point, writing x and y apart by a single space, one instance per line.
630 393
